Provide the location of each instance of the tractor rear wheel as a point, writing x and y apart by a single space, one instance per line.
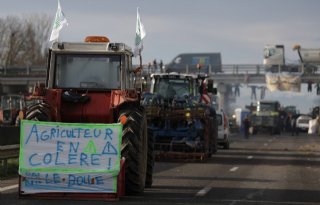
150 162
134 149
38 112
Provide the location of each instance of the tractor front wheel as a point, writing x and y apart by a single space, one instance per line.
135 149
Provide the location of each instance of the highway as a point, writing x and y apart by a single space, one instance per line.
264 169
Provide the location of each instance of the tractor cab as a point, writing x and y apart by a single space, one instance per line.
88 81
92 65
173 87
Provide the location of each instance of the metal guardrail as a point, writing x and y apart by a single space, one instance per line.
8 152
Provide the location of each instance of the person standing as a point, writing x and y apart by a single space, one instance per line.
246 125
262 92
253 92
310 86
161 66
237 89
294 126
149 68
318 88
155 65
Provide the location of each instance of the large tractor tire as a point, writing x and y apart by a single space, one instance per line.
214 136
134 149
38 112
151 159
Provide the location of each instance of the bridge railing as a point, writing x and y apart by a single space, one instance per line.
240 69
233 69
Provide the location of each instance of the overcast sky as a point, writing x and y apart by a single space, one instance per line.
238 29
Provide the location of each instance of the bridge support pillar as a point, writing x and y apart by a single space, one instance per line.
222 91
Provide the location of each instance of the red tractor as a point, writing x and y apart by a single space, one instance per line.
93 82
9 108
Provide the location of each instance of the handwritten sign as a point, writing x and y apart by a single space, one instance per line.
69 157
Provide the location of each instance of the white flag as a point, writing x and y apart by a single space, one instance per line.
59 21
140 34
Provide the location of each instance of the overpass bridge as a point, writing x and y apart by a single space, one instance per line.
22 79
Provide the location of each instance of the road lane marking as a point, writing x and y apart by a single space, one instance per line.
249 157
265 144
233 169
9 187
204 191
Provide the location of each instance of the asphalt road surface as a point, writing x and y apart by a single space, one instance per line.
264 169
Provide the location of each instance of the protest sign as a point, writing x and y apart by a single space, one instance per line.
69 157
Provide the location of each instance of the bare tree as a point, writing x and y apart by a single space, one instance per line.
14 40
39 27
3 48
23 42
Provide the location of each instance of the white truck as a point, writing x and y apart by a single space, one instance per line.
309 57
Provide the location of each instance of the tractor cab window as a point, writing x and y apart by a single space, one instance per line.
88 71
267 107
170 88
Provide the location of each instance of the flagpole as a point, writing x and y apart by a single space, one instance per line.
140 56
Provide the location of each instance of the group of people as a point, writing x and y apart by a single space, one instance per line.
289 124
237 87
155 67
317 86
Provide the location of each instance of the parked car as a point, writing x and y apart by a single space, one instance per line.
302 123
223 129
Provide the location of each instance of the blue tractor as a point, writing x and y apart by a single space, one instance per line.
180 118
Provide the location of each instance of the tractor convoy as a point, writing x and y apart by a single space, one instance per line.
91 91
92 83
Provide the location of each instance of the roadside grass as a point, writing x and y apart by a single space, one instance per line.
12 169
